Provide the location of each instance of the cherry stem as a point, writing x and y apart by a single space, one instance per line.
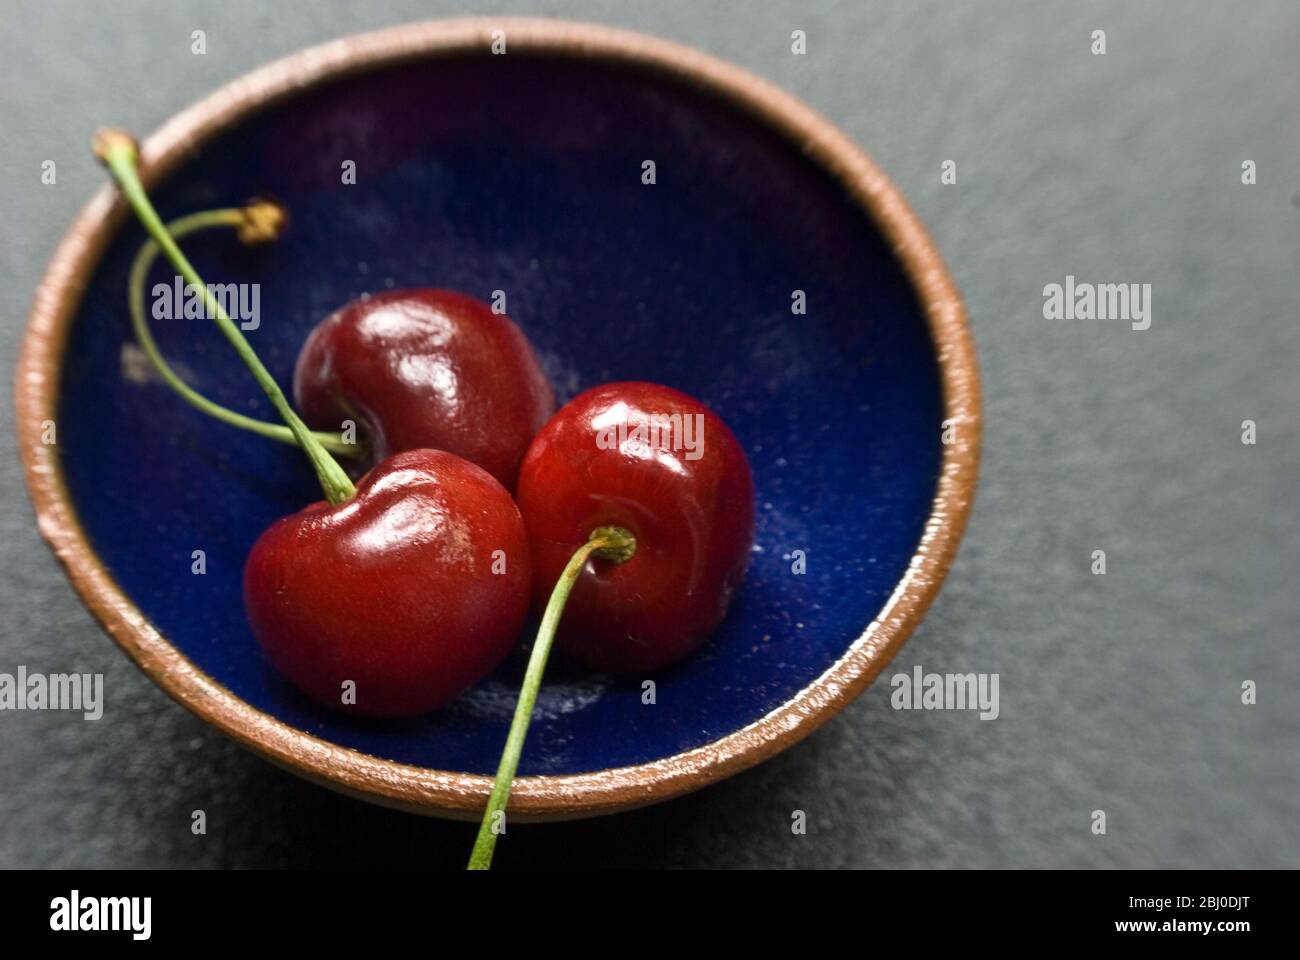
117 151
613 544
258 222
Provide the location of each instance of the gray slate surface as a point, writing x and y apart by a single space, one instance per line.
1118 692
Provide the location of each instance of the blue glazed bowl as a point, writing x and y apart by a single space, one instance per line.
524 173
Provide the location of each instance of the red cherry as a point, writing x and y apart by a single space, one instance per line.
426 369
398 589
598 463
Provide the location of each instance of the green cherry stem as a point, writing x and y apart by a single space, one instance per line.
257 222
117 151
612 544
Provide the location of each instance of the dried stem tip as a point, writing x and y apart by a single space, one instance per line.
264 221
110 140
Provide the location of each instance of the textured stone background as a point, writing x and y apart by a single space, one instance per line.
1118 692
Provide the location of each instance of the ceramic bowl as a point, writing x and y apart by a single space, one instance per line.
523 172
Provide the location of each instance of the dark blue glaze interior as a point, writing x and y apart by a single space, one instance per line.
523 173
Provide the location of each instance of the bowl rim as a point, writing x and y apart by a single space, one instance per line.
463 795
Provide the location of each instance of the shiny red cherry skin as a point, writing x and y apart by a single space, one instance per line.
397 589
692 513
426 368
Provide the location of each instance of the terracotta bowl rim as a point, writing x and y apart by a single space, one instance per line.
461 795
